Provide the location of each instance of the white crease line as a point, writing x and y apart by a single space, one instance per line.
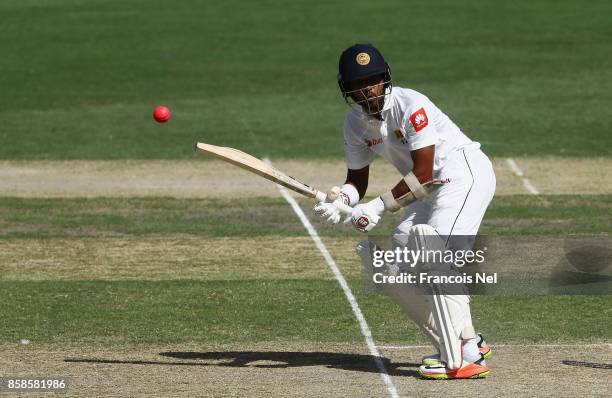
516 170
411 347
365 329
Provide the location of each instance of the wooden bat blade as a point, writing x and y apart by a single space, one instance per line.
265 170
257 166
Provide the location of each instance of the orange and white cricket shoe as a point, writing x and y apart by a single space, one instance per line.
473 364
483 348
468 370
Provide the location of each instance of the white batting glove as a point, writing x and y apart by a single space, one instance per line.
329 211
367 215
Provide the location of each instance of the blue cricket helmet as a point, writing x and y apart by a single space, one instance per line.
360 61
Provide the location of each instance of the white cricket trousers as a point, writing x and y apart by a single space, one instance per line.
458 207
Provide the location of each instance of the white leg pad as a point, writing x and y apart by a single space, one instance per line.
445 319
413 303
418 309
450 313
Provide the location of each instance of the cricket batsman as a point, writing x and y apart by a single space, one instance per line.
427 148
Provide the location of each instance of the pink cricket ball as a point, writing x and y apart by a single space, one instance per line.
161 114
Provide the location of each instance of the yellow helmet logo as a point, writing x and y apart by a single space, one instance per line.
363 59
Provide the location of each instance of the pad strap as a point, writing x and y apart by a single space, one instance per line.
468 333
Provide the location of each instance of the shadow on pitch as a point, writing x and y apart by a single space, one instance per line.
272 360
593 365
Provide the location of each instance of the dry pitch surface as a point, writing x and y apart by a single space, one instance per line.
275 370
201 178
268 369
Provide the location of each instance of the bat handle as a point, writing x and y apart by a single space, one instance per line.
333 193
344 209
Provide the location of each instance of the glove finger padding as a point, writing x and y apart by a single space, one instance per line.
327 211
334 218
323 209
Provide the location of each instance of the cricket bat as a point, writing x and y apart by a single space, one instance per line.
263 169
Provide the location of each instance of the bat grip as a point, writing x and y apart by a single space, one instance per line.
344 209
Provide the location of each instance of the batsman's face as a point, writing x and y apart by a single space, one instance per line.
368 92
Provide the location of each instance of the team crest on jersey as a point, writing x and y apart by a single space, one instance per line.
363 59
399 134
419 120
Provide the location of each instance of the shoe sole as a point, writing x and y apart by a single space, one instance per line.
426 376
468 371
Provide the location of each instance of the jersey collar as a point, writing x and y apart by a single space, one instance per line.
388 100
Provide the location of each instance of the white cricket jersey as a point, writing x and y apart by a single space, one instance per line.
411 121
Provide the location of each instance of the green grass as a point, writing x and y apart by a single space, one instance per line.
549 215
48 218
80 77
120 312
106 217
177 312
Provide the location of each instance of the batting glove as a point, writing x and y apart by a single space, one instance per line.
367 215
330 211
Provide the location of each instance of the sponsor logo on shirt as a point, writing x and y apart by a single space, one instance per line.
419 120
371 142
